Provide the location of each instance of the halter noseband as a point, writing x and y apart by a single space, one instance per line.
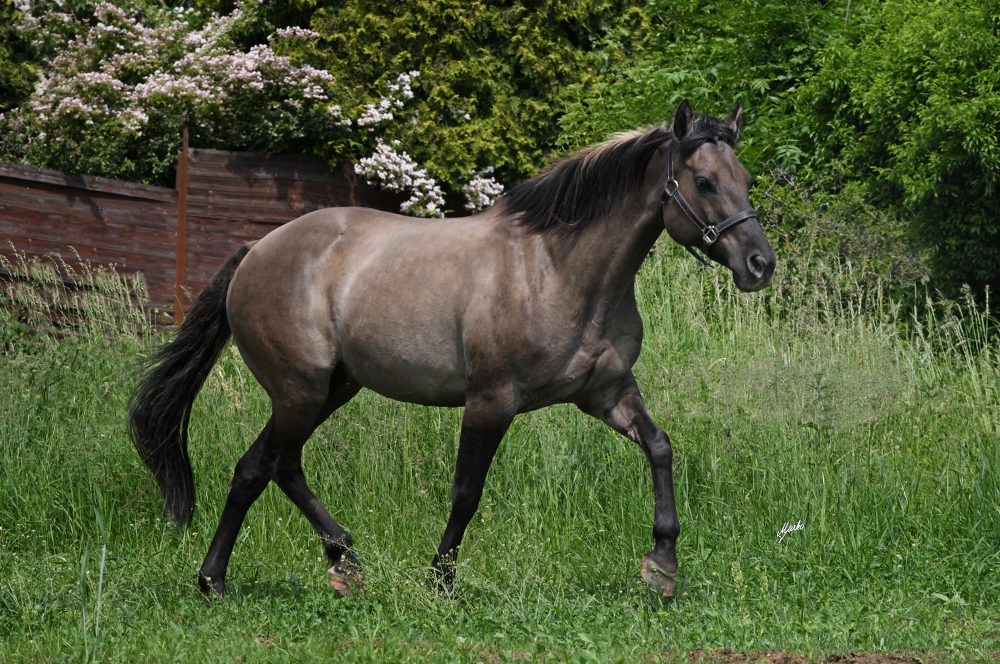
709 233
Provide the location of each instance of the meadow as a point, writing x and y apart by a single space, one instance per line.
818 402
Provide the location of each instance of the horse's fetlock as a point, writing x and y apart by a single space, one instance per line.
666 529
335 547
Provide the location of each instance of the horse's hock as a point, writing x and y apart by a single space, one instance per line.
232 198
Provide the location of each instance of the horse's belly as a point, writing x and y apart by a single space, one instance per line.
407 371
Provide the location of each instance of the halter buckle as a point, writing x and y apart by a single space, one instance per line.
670 189
710 236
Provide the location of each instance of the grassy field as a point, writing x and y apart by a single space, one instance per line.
816 402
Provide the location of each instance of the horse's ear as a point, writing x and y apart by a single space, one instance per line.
735 119
683 120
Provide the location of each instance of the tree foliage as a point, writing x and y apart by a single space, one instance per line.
889 106
493 75
912 111
487 86
898 99
17 67
714 53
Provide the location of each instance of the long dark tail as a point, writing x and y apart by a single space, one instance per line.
160 407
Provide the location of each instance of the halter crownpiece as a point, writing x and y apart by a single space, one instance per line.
709 233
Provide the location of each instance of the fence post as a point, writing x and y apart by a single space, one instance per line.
182 183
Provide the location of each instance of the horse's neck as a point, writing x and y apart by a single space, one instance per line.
595 266
606 255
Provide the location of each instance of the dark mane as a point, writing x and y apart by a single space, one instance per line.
595 181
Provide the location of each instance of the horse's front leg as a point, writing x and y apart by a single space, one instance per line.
487 416
622 409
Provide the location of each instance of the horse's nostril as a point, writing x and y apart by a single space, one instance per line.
757 264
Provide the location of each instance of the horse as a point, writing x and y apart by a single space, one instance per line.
527 304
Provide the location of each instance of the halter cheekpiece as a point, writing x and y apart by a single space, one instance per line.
709 233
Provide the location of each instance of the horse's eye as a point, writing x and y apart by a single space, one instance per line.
703 184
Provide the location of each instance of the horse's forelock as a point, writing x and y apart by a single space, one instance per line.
707 129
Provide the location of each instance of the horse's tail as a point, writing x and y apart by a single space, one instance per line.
160 407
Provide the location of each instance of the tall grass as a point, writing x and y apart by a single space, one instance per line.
819 401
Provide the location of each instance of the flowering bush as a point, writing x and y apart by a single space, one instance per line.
481 191
494 76
112 101
114 94
396 171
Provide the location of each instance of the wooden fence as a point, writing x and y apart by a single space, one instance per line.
232 198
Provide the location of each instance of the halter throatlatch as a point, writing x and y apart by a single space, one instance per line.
709 233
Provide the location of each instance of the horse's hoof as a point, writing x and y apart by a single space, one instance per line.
346 582
660 577
443 574
211 587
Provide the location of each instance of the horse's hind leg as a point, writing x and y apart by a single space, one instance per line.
276 455
345 571
249 481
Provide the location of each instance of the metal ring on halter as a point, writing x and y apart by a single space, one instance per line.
709 233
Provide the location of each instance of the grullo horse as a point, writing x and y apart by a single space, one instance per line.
528 304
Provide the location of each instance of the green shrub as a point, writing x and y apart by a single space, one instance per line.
714 53
17 68
912 111
893 106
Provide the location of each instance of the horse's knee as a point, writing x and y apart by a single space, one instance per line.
659 449
248 476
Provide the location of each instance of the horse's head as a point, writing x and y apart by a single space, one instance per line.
705 200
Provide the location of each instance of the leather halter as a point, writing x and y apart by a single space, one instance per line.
709 233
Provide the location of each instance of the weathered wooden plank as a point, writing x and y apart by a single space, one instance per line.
250 166
87 182
71 222
96 204
271 187
131 261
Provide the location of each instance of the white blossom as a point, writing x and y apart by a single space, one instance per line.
481 191
395 170
399 93
289 33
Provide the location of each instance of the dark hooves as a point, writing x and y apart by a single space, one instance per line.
345 575
210 587
660 577
443 573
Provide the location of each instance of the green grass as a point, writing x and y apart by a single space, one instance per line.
813 402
